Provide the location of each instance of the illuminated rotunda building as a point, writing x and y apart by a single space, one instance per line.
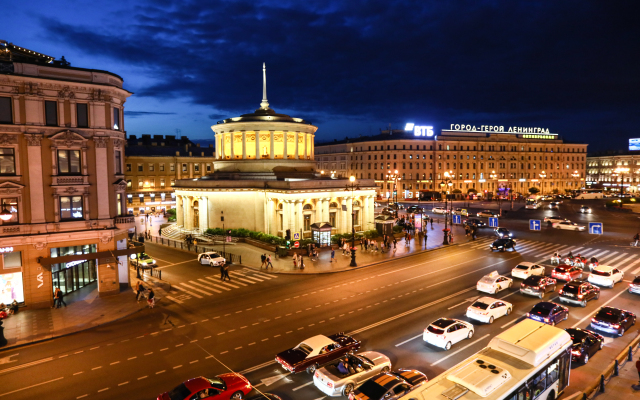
265 179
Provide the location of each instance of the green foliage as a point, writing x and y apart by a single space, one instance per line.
456 191
246 233
472 190
397 229
534 190
171 211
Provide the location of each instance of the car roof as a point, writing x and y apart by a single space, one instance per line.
411 376
318 341
546 305
487 300
603 268
576 282
449 321
526 263
197 384
386 380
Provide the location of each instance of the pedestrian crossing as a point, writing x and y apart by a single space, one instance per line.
209 286
625 262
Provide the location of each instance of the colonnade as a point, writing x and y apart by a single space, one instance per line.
247 145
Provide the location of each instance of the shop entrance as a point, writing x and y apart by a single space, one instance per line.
73 275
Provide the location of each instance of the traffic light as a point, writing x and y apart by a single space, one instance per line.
288 235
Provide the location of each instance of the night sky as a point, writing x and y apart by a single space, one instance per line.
353 67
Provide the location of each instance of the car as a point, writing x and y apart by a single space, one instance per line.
568 225
396 206
579 292
503 244
564 272
361 367
476 222
415 210
554 206
264 396
487 309
493 283
224 386
548 312
604 275
388 211
503 232
389 385
613 320
144 261
316 352
634 286
461 211
553 219
486 213
585 344
445 332
439 210
585 210
526 269
211 258
538 286
532 205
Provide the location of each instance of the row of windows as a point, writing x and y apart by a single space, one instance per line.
172 168
472 175
69 162
491 165
51 114
424 157
489 148
150 183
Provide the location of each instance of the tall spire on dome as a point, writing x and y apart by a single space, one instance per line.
265 103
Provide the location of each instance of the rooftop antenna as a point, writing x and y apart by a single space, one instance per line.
265 103
178 134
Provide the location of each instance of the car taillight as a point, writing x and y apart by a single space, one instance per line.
317 374
522 285
594 320
575 352
330 385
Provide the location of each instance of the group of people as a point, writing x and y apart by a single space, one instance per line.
11 309
58 298
297 261
471 230
190 240
266 261
224 272
140 289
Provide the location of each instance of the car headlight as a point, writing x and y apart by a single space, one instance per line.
153 261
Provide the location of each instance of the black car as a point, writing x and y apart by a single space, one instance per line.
538 285
585 344
613 320
389 385
503 233
503 244
548 312
476 222
415 210
579 292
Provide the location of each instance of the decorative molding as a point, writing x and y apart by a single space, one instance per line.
117 143
100 141
68 139
8 140
237 138
105 239
70 190
66 93
33 139
11 188
40 245
251 137
265 137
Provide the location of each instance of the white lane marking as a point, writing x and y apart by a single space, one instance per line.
174 299
459 304
623 262
395 271
601 305
636 270
236 281
614 259
216 285
509 323
410 339
29 387
232 285
452 266
258 274
196 289
603 258
458 351
510 294
537 247
245 277
171 265
301 386
27 365
204 286
187 291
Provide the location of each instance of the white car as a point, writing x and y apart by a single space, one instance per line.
568 225
604 275
527 269
361 367
445 332
487 309
493 283
486 213
554 218
532 206
438 210
211 258
585 210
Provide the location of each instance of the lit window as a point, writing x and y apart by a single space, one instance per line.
71 207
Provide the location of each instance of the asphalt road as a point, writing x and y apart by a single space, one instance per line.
204 329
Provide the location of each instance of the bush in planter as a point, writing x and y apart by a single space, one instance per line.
397 229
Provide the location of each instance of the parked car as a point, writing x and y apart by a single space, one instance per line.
548 312
317 351
585 344
360 367
566 272
476 222
503 244
211 258
493 283
538 286
585 210
487 309
224 386
634 287
604 275
503 232
568 225
415 210
389 385
445 332
613 320
579 292
439 210
486 213
526 269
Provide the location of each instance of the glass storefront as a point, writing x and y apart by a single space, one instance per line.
73 275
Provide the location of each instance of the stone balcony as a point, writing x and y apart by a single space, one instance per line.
125 222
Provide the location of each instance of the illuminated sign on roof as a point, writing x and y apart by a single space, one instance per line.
419 130
498 129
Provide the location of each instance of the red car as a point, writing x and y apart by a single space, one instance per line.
222 387
566 272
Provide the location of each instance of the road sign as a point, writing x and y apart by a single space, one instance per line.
457 219
296 236
296 244
534 224
596 228
493 222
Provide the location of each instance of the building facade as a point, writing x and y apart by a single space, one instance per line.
62 186
152 165
493 162
614 171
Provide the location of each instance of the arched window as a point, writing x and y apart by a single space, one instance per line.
307 207
333 205
356 203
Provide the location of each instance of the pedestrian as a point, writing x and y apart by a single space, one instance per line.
431 219
269 262
138 288
60 296
263 258
346 248
361 243
226 273
301 262
395 245
333 255
276 252
151 298
366 244
638 368
159 231
295 260
221 272
55 298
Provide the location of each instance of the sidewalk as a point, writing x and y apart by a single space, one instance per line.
619 387
85 310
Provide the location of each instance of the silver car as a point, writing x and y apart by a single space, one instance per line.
361 367
211 258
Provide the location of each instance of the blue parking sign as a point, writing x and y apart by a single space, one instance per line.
457 219
534 224
493 222
596 228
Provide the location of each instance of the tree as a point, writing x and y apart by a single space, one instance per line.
534 190
472 190
456 191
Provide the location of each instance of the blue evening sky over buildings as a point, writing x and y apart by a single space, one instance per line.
354 67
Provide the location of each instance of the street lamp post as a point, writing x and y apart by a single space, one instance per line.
542 175
353 186
621 171
493 176
446 182
394 177
575 176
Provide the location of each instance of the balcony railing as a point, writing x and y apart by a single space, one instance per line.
125 222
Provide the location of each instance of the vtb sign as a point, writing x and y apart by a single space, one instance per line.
419 130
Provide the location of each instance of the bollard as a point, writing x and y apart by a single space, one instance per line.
615 368
630 354
584 396
3 340
601 383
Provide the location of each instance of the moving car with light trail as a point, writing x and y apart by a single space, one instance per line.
493 283
144 261
503 244
634 287
317 351
566 272
613 320
568 225
605 275
439 210
360 367
486 213
585 210
538 286
224 387
487 309
389 385
503 232
445 332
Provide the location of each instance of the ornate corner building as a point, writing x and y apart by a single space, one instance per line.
62 188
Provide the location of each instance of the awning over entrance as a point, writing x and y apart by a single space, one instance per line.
103 257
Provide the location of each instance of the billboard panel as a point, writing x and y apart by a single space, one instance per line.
634 144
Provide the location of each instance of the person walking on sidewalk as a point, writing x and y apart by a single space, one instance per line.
138 289
151 298
295 260
638 368
333 255
55 298
269 262
361 243
395 245
263 258
60 296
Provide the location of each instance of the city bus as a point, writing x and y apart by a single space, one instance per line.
429 195
586 194
533 202
529 361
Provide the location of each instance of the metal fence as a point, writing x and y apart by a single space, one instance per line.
182 245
